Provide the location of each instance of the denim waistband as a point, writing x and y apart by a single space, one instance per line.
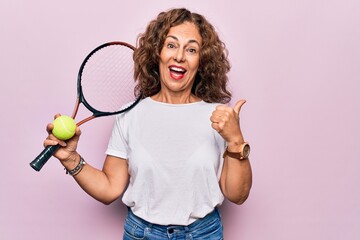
198 223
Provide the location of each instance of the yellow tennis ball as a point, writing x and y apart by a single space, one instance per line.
64 127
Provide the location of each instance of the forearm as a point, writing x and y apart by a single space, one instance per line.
236 176
236 179
96 183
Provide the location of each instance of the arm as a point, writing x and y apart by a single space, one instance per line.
105 185
236 176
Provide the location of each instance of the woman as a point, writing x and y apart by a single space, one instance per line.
179 151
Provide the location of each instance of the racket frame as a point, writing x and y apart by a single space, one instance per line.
45 155
82 99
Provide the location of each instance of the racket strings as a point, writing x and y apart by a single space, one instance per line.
107 79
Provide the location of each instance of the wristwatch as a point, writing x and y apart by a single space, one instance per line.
242 155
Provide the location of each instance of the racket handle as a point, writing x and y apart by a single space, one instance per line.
43 157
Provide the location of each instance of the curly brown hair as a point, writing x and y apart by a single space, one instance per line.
211 79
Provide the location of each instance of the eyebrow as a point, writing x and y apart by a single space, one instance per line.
190 41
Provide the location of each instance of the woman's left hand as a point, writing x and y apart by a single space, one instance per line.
225 120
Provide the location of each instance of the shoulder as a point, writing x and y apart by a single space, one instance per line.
208 106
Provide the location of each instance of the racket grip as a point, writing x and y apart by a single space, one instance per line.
43 157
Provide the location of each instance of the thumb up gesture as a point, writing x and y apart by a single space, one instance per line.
225 120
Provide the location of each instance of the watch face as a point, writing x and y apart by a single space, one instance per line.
246 151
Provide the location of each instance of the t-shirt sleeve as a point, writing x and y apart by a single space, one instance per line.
117 145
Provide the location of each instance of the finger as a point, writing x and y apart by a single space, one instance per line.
53 142
238 105
57 115
72 142
219 125
58 141
216 127
221 107
49 128
215 118
219 118
77 133
49 142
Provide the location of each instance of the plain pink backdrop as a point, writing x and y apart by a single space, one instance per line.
297 63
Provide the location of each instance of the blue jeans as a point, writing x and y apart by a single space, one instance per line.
209 228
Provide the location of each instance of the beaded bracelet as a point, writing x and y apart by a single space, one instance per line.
77 169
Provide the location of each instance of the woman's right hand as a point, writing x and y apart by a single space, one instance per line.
67 151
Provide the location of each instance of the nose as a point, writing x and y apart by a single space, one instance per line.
179 55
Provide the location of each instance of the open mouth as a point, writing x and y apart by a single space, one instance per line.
177 72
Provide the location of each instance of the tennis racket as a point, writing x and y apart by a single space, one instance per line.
105 86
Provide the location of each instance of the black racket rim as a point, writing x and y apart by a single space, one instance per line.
82 98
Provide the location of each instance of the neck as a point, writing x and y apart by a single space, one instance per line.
175 99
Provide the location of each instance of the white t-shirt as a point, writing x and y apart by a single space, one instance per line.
174 158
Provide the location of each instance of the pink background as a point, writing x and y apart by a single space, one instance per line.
297 62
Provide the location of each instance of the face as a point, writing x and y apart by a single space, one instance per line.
179 60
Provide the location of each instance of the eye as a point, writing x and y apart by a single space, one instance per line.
192 50
170 45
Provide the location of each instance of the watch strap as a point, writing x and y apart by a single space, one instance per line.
238 155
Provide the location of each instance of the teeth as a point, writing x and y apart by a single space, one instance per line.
177 69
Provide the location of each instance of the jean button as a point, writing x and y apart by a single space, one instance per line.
171 231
